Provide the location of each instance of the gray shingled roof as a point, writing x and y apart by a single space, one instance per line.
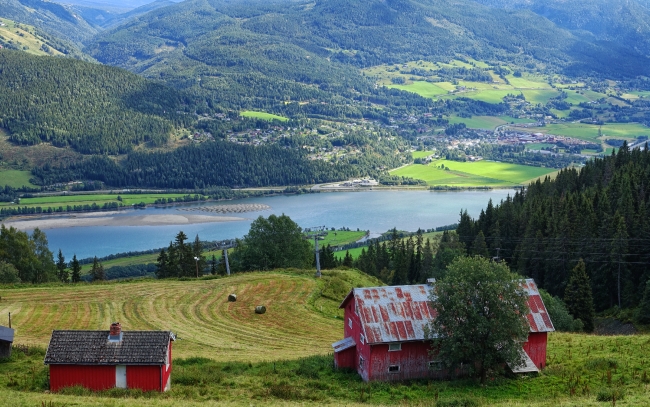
93 348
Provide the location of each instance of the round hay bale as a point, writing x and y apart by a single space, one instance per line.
232 297
260 309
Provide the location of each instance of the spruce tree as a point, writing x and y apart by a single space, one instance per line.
643 313
62 268
479 247
97 271
578 296
76 269
213 265
348 260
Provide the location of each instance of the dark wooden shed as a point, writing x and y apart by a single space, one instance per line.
6 339
101 360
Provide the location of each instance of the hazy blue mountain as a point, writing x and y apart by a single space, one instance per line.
62 21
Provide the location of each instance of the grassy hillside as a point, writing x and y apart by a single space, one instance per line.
198 311
25 38
228 356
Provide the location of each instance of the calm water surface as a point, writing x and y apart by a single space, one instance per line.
376 211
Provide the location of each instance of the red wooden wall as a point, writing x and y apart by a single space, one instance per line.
92 377
413 361
535 347
166 370
146 378
346 358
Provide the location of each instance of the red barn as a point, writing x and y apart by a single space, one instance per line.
384 333
101 360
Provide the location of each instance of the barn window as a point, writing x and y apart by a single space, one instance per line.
392 347
362 339
435 365
393 369
350 322
361 360
356 309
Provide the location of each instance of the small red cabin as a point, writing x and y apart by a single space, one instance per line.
101 360
384 335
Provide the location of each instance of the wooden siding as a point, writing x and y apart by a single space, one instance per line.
535 347
166 370
413 361
145 378
91 377
346 358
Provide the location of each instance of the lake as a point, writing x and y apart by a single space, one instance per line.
376 211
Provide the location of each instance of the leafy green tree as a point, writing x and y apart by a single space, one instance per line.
643 313
557 311
578 296
8 273
76 269
481 316
273 242
97 271
62 268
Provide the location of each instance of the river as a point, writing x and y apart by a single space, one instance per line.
376 211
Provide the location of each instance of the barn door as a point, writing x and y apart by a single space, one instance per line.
120 376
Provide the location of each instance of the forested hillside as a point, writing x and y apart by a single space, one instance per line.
598 213
210 164
89 107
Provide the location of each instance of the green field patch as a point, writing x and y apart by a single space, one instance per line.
99 199
539 96
422 88
510 173
478 122
489 96
589 132
263 116
16 178
515 120
560 113
538 146
340 237
528 82
421 154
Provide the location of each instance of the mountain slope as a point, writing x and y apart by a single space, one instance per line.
255 53
89 107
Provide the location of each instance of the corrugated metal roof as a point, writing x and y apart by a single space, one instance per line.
344 344
393 314
538 317
400 313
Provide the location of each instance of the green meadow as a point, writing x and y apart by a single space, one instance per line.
421 154
589 132
263 116
422 88
486 122
15 178
472 174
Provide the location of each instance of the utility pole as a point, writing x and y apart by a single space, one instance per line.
196 260
316 233
225 257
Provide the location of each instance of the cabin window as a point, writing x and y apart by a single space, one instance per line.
362 339
435 365
392 347
350 322
393 369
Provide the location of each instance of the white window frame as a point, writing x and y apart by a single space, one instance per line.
395 347
361 362
393 370
362 339
350 323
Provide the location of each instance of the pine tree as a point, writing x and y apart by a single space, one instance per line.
479 247
76 269
97 271
162 264
213 265
348 260
62 268
578 296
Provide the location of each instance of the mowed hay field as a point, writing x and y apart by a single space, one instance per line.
207 324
